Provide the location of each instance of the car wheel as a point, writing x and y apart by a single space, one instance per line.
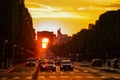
42 70
60 69
71 69
54 70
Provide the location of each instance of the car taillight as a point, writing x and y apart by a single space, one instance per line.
43 65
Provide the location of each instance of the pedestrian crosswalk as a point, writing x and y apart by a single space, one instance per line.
59 77
77 74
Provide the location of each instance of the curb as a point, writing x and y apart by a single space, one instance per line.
11 68
107 69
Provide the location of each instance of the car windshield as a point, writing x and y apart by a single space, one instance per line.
30 60
66 62
47 62
50 62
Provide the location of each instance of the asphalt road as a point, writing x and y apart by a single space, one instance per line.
79 73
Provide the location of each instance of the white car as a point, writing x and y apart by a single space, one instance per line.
66 65
47 65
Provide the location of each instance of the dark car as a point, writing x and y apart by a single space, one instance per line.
30 62
96 63
116 63
66 65
47 65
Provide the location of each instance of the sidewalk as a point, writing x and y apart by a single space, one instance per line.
7 70
108 69
103 68
10 68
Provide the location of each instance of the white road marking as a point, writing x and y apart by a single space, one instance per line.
54 72
78 76
86 71
64 77
52 76
103 77
16 78
71 72
28 77
90 76
41 77
61 72
76 71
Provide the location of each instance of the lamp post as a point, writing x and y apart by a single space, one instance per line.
14 27
14 54
4 60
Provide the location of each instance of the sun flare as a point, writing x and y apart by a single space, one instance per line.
45 42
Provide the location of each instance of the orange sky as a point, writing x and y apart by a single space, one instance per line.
69 15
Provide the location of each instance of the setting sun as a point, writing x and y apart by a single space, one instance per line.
45 42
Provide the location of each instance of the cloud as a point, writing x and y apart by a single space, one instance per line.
96 8
50 8
101 4
117 5
45 11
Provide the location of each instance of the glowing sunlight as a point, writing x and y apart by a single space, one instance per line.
45 42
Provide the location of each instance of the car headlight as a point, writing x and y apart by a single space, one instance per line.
71 65
33 62
43 66
61 65
54 66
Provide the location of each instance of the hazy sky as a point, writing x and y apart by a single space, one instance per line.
69 15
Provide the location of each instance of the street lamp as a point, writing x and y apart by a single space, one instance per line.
4 59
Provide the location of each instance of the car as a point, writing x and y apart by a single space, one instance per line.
66 65
116 63
96 63
30 62
47 65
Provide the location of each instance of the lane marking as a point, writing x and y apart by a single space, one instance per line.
102 77
71 72
16 78
90 76
61 72
52 76
76 70
64 77
78 76
41 77
28 77
85 71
